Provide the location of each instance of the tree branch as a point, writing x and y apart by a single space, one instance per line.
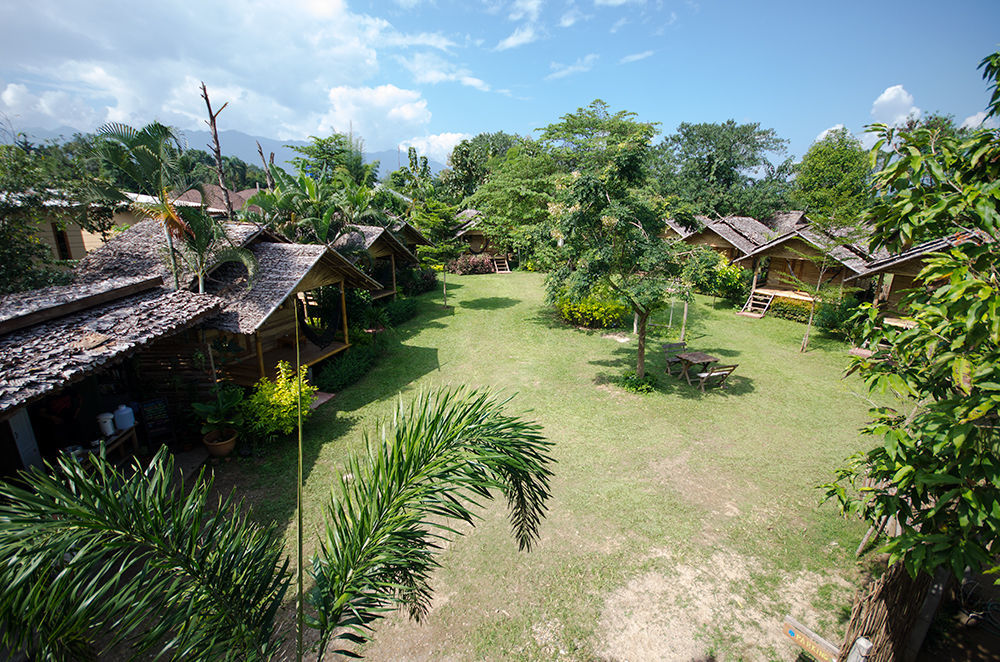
216 149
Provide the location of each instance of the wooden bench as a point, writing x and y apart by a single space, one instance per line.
671 349
717 375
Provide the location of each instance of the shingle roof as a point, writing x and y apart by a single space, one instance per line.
48 356
281 270
885 262
214 198
412 234
681 231
743 232
141 251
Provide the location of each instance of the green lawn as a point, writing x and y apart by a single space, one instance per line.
681 524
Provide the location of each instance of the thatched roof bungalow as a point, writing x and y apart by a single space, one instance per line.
731 236
58 336
379 251
409 236
470 233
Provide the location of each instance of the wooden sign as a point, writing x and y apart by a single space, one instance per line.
809 641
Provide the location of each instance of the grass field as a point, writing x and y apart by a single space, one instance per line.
682 525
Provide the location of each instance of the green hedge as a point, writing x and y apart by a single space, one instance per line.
351 365
790 309
400 311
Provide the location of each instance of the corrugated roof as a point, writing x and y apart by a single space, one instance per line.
281 270
48 356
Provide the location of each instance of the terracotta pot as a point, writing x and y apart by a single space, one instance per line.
220 443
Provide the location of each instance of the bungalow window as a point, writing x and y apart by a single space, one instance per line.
62 243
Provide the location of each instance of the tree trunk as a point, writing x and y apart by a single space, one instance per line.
805 338
684 322
640 360
217 149
173 258
444 279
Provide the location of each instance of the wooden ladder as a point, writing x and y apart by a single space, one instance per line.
756 305
500 265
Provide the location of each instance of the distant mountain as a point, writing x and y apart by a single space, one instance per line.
244 146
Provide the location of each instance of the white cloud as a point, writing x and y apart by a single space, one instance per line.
437 147
431 68
825 132
613 3
527 9
894 106
619 24
979 121
381 115
571 18
521 36
582 65
635 57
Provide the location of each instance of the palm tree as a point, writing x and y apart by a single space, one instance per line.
141 561
144 161
356 205
205 245
306 205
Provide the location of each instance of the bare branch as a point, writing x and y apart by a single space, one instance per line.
216 149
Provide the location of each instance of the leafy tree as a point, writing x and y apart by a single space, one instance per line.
92 557
302 207
415 179
833 179
337 152
471 160
935 468
436 221
588 139
25 261
724 169
610 227
514 201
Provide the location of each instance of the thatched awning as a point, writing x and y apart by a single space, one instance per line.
45 357
282 270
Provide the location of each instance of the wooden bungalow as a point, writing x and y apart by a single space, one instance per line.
732 236
895 274
789 256
80 336
379 252
256 324
69 241
409 236
468 231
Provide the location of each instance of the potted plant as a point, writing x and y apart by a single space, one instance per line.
222 419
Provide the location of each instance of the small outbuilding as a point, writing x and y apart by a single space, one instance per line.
377 251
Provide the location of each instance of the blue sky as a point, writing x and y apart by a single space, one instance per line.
430 72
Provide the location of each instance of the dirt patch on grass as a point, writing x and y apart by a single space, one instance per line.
620 337
713 491
690 612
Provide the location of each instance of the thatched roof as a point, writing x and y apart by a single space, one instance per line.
469 218
362 237
140 251
852 255
50 355
410 234
786 221
282 269
887 262
26 308
214 198
743 232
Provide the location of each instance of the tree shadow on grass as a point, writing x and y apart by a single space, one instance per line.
489 303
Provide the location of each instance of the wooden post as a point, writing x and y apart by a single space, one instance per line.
684 322
756 274
260 354
392 259
343 311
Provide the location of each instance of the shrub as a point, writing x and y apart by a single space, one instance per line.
400 311
732 283
791 309
272 408
593 312
837 318
350 366
631 383
416 280
471 264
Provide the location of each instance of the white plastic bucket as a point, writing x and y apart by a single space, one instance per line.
106 422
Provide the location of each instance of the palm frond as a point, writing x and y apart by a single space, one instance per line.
439 458
138 559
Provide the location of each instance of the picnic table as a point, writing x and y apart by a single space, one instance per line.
689 359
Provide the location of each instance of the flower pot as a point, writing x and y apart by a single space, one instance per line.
220 443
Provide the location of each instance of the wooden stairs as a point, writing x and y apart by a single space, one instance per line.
500 265
756 305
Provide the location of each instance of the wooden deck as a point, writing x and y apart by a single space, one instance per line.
785 294
247 371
